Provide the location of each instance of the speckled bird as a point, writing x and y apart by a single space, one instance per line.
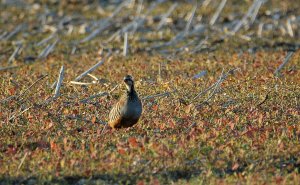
127 111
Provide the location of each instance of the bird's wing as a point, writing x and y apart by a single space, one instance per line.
116 111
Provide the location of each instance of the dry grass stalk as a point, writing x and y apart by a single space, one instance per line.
27 89
92 68
286 60
15 53
217 13
49 48
251 13
7 68
166 15
100 94
158 95
59 82
125 47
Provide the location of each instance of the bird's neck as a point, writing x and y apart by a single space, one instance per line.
130 90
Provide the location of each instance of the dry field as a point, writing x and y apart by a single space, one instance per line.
219 82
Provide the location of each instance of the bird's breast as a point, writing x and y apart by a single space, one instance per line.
133 109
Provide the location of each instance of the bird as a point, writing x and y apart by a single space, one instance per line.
127 111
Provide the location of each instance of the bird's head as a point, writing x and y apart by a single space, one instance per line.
128 80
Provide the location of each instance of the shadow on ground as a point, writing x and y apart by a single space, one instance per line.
163 176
